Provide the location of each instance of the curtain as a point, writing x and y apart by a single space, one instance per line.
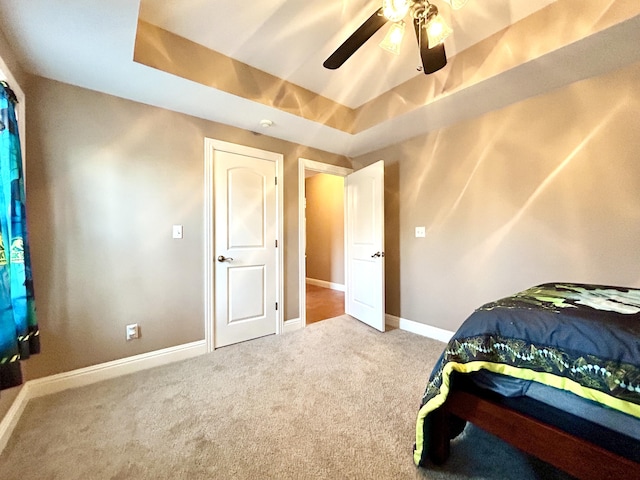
18 326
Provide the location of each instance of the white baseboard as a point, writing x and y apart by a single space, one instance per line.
325 284
12 416
419 328
95 373
292 325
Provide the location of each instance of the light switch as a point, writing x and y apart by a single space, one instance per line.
177 231
420 232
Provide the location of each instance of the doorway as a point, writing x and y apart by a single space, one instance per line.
324 250
322 283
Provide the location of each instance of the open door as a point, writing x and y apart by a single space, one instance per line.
364 256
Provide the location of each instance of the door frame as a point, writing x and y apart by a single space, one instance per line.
303 165
212 145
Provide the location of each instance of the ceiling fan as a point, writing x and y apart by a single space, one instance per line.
430 29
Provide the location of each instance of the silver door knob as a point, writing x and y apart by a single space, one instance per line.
222 258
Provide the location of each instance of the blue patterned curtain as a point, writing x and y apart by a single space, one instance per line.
18 326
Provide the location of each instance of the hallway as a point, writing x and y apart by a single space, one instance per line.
323 303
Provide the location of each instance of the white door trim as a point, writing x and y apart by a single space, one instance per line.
5 73
210 147
305 164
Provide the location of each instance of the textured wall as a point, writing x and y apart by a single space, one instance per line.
107 178
543 190
9 59
325 228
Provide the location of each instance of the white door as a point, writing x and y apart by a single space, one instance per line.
365 245
245 252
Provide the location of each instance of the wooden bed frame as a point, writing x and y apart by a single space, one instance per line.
558 438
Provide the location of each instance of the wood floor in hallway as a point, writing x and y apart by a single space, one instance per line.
323 303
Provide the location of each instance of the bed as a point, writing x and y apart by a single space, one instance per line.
554 370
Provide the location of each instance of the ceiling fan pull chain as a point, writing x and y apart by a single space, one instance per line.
420 68
418 18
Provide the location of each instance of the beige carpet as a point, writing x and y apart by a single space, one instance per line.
336 400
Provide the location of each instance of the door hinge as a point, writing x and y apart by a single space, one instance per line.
276 243
276 305
276 180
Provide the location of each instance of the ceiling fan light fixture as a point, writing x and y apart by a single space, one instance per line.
396 10
457 4
430 41
437 30
393 39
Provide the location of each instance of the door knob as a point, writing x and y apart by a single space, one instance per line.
377 254
222 258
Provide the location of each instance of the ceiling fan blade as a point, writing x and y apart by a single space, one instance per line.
356 40
433 59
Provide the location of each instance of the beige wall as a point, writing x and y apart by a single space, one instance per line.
543 190
325 228
6 399
7 56
107 179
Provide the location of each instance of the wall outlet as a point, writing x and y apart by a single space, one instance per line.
421 232
133 331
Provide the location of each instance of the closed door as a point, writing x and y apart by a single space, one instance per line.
245 248
365 245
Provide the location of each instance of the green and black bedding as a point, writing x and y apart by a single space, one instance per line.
577 338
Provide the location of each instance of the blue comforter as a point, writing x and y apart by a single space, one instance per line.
580 338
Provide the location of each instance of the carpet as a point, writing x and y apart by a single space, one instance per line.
336 400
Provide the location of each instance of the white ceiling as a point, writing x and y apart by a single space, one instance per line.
89 43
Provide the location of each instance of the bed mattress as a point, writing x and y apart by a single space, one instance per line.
560 399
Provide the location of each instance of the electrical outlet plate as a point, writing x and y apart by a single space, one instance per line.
133 331
421 232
